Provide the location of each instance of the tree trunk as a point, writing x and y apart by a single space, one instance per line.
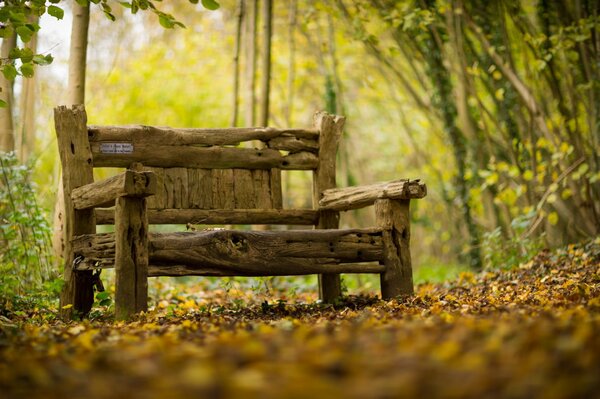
250 18
267 16
236 63
7 140
26 139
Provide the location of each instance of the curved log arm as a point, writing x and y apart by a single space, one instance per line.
344 199
104 192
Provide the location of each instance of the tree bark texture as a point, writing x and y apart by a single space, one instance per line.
7 137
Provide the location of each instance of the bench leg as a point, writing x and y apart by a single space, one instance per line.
393 217
131 257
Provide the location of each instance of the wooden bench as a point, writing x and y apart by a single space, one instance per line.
210 177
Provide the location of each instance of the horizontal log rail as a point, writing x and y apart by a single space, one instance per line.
103 192
245 253
171 156
189 136
300 217
344 199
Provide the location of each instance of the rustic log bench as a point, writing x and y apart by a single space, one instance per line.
204 176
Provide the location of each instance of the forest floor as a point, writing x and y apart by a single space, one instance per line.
533 331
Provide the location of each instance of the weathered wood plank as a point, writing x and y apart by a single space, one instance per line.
204 157
393 217
284 269
76 160
247 252
184 136
276 189
262 189
330 128
300 217
128 183
200 188
244 189
343 199
158 200
176 188
293 144
131 257
222 189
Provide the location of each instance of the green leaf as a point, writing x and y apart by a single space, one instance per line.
194 1
165 21
102 295
210 4
3 104
56 12
24 33
105 302
42 59
27 70
9 71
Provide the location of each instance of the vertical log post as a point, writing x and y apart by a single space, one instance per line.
393 217
330 128
77 295
131 255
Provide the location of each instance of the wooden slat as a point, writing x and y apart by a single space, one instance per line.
205 158
289 252
126 184
343 199
262 189
244 189
177 136
300 217
200 188
158 200
276 189
176 188
222 189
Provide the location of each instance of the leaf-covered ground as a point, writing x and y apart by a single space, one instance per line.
530 332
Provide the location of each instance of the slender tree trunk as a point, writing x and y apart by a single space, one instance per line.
75 95
7 139
267 20
236 62
26 140
250 17
293 13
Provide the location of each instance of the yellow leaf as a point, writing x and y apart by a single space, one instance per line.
499 94
553 218
497 75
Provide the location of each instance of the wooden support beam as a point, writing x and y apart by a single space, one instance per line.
131 257
300 217
245 253
153 135
330 128
344 199
126 184
77 295
171 156
393 218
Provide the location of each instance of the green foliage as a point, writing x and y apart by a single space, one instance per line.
505 253
25 260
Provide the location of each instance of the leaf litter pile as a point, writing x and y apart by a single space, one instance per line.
533 331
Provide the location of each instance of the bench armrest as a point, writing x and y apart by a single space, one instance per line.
104 192
344 199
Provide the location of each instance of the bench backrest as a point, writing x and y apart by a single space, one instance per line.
221 176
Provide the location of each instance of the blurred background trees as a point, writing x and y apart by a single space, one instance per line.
494 104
